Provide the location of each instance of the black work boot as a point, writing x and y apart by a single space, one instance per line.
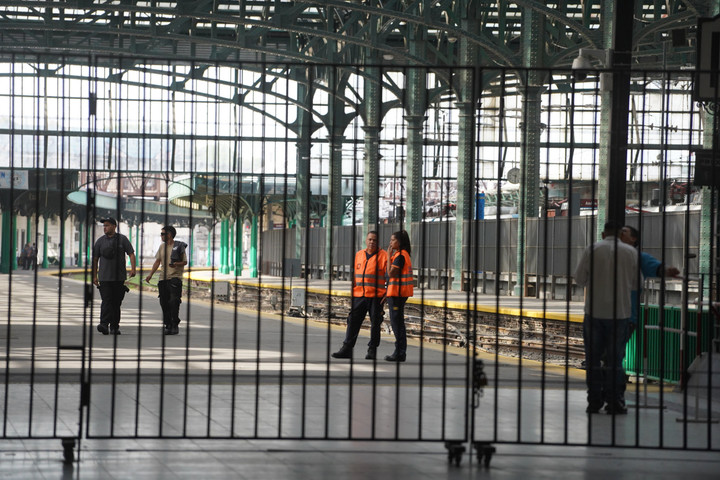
344 352
395 357
371 353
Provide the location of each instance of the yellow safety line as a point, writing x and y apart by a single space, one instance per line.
561 316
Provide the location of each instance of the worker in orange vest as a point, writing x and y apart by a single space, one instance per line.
368 294
400 288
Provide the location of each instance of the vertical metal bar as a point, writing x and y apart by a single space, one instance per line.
595 229
192 167
306 130
143 141
285 255
223 264
91 187
43 91
544 273
569 267
85 393
502 112
238 169
624 17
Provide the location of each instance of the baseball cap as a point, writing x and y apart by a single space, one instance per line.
110 220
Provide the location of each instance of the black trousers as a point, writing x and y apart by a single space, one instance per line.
112 295
360 308
170 294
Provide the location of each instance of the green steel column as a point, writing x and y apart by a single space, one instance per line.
337 124
467 95
334 207
252 255
533 48
137 245
302 196
88 243
80 245
209 261
28 230
465 181
530 163
415 119
7 244
231 247
371 175
238 247
530 152
371 128
603 162
604 131
413 173
302 192
45 263
14 242
224 246
711 140
709 206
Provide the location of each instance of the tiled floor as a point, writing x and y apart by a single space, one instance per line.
303 460
268 403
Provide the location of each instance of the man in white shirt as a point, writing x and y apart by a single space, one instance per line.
608 271
172 257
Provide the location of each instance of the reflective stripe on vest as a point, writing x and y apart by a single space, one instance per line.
401 286
370 274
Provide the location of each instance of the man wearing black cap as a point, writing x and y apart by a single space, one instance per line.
109 274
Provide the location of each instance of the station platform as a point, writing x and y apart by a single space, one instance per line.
255 396
452 299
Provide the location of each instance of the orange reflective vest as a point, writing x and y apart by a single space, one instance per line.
401 286
370 274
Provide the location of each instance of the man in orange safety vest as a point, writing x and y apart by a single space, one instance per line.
368 293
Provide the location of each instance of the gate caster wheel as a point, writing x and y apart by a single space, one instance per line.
455 452
68 450
484 452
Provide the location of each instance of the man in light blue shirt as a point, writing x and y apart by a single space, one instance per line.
649 267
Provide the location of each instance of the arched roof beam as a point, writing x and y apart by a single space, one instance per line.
591 36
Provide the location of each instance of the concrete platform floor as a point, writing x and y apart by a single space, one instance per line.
237 395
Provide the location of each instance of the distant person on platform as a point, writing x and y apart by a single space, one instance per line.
608 271
368 292
109 274
400 288
34 256
171 257
27 255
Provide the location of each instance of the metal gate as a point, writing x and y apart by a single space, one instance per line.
495 325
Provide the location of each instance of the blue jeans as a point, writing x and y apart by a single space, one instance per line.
396 305
604 353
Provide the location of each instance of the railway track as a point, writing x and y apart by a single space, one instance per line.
552 341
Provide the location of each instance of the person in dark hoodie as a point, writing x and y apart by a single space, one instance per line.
172 257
